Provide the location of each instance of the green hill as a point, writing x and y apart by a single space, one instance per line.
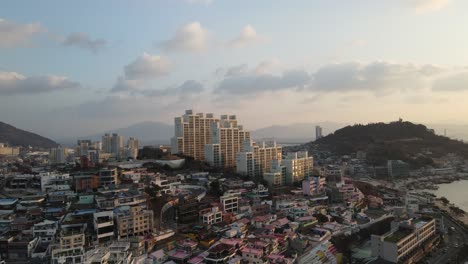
17 137
406 141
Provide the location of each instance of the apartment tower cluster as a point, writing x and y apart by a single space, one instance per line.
222 142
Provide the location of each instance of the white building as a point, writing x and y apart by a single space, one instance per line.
230 202
277 174
45 230
226 140
299 165
191 133
313 185
104 226
403 240
54 182
212 217
254 159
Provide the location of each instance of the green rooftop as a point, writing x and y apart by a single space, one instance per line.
397 236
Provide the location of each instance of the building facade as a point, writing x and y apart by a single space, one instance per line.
191 133
299 165
405 239
254 160
226 141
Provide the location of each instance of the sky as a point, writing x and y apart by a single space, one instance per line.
78 68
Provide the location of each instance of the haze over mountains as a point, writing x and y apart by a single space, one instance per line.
153 133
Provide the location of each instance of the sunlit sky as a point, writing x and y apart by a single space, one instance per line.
82 67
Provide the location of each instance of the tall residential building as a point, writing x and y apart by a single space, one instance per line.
113 144
299 165
226 140
254 160
82 147
191 133
132 148
106 143
318 132
57 155
277 174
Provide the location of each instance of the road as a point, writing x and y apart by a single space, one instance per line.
458 237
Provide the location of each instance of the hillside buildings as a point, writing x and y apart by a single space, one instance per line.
397 168
5 150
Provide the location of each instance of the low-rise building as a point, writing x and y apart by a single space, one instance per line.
404 240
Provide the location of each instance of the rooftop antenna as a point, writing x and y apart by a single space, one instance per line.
445 132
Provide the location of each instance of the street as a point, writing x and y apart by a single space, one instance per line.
454 240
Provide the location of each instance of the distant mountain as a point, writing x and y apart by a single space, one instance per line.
148 133
295 133
17 137
406 141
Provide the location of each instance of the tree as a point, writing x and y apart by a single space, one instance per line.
444 200
215 188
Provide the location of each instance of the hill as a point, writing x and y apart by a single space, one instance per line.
17 137
413 143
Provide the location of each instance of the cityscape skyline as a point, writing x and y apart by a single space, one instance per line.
319 62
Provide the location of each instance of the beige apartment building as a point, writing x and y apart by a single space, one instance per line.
226 140
254 159
192 132
133 220
299 165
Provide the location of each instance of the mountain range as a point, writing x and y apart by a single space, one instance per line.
16 137
150 132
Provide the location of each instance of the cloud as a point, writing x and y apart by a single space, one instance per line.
380 78
427 6
252 83
139 72
147 66
189 38
13 34
15 83
189 87
82 40
451 83
236 70
266 66
247 36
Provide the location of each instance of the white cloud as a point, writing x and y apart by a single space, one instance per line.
15 83
427 6
189 38
379 78
147 66
247 36
267 66
452 83
139 72
13 34
82 40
